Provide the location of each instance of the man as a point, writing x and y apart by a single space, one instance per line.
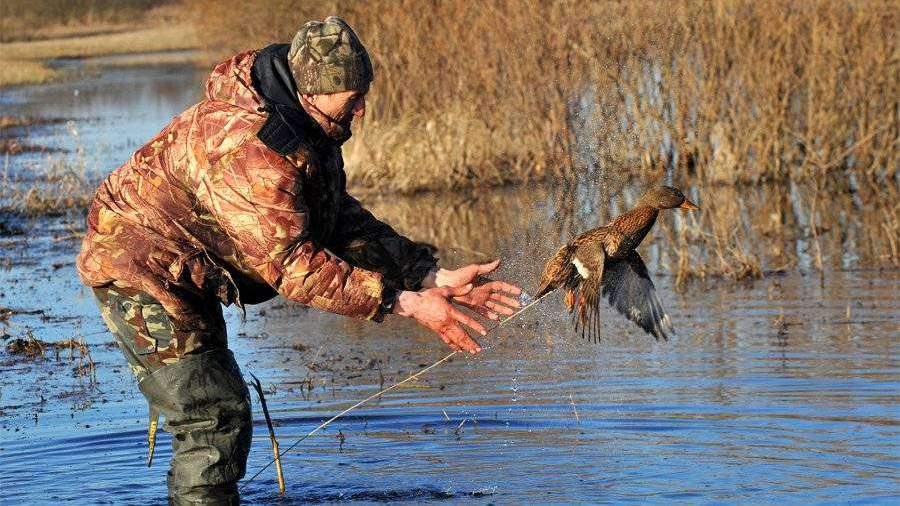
242 197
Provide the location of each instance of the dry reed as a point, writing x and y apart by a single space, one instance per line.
717 95
53 187
31 19
262 400
783 117
714 91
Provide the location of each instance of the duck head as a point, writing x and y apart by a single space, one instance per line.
666 197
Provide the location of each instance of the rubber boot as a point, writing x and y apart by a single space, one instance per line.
207 409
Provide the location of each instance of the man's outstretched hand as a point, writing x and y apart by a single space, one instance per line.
490 299
431 308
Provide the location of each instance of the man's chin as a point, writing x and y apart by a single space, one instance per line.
341 135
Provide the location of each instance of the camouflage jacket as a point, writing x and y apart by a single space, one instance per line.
240 197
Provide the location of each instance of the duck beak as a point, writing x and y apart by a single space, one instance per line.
690 206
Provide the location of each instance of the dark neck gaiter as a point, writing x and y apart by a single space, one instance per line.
288 126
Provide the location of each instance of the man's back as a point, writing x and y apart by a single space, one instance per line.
204 208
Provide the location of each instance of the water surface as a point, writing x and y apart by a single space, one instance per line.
778 390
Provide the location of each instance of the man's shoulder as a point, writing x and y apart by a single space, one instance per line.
225 127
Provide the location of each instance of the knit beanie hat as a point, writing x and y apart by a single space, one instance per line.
328 57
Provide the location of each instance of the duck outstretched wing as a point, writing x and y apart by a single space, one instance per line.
583 288
557 270
628 288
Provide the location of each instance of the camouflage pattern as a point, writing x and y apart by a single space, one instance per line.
205 211
202 395
328 57
145 333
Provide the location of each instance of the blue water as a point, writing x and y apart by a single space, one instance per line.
737 409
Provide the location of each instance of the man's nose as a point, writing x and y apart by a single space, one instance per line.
360 110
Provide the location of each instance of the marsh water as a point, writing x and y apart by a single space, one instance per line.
782 389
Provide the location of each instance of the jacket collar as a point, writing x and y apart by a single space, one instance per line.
288 126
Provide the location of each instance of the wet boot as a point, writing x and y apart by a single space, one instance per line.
206 405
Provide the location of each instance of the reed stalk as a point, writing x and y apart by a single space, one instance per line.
277 455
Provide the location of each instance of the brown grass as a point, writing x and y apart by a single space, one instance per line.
783 116
54 187
25 62
12 146
157 38
37 19
85 367
718 91
36 31
24 121
29 346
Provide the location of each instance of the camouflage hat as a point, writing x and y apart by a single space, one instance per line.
328 57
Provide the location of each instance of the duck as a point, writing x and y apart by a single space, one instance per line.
603 263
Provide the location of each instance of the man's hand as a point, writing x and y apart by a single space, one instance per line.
431 309
487 299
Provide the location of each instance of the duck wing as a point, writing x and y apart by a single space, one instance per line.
584 288
628 288
557 270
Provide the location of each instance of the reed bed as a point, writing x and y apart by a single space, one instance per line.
782 118
37 19
719 91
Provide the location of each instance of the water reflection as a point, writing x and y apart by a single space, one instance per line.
747 229
771 227
114 112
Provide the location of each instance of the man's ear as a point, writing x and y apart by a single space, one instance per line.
309 97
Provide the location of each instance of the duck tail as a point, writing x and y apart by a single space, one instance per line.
557 270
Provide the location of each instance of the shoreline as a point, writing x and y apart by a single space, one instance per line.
36 62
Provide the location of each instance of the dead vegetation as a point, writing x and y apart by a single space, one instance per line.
722 91
57 189
36 19
41 30
54 186
29 347
24 121
16 146
780 116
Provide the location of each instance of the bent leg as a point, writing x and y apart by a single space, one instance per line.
201 394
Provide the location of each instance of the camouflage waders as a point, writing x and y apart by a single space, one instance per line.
201 393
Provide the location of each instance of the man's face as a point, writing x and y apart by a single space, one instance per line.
341 107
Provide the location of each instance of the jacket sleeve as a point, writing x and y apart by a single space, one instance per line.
256 197
365 241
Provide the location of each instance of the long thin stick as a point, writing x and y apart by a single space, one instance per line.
385 390
262 400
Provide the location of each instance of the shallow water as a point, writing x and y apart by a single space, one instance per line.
783 390
106 115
